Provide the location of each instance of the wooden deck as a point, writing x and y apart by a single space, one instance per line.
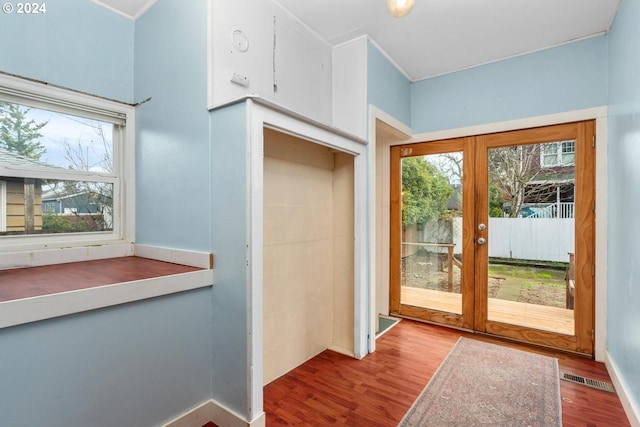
552 319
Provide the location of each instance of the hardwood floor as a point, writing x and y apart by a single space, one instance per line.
333 389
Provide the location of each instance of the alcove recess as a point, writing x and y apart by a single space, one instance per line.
308 252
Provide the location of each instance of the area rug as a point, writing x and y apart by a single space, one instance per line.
482 384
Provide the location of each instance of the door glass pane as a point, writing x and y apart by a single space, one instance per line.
431 239
531 236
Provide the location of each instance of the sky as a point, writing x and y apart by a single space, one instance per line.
78 135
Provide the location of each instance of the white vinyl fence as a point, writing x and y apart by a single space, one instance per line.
540 239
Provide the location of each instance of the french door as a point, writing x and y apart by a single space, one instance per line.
495 233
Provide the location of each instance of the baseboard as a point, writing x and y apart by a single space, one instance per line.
630 408
176 256
37 257
225 417
216 413
196 417
342 350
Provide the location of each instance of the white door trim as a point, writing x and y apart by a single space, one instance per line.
262 114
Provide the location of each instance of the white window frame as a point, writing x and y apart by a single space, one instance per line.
562 153
37 250
38 95
559 162
3 206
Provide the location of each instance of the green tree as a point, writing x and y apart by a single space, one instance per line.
425 191
52 223
495 202
18 133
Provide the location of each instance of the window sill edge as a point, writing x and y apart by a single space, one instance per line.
33 309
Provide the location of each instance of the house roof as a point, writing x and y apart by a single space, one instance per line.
50 195
57 194
12 159
555 177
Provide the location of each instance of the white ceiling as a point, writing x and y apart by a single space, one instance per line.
130 8
441 36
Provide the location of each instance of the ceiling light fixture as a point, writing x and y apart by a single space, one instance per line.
400 8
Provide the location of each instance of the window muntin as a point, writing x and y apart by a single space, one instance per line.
77 159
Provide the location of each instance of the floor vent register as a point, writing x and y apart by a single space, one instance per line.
589 382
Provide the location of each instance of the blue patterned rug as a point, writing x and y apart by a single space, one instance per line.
482 384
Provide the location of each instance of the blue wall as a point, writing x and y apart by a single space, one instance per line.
137 364
566 78
172 129
143 363
191 178
229 237
387 88
623 292
75 44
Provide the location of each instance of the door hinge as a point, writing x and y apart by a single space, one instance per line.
593 336
593 141
593 270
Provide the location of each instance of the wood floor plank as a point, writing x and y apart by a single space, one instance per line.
333 389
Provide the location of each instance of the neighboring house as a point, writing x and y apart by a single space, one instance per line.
88 207
551 193
20 198
25 202
549 176
79 203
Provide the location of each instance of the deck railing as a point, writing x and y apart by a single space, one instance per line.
552 210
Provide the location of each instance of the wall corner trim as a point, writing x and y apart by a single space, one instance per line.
212 411
622 389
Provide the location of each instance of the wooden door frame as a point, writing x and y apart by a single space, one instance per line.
584 133
466 145
584 220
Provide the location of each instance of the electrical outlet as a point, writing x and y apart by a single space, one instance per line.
240 79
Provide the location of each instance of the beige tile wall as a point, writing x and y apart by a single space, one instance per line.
308 252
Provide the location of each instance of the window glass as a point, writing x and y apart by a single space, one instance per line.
58 171
568 152
55 139
558 154
549 154
568 147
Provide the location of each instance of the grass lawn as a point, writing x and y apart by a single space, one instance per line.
529 283
532 284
